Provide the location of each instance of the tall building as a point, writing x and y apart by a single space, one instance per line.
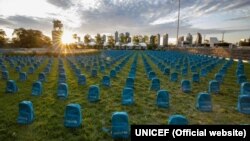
116 37
189 39
180 40
127 37
103 38
127 34
57 33
198 39
158 39
121 34
129 40
165 40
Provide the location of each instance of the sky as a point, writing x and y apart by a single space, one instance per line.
139 17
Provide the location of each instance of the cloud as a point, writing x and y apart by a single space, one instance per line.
43 24
239 18
239 4
64 4
137 16
4 22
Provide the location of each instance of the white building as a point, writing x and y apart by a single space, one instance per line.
116 37
212 41
158 40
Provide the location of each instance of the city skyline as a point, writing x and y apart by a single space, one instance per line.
211 17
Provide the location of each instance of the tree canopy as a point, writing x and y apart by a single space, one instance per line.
87 39
98 40
111 41
29 38
136 39
245 43
3 40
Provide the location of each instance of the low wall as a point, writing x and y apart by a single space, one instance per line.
236 53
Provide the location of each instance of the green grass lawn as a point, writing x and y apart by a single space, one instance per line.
49 110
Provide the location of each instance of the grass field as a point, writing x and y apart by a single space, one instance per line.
49 110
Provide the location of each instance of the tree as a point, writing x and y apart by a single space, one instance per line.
244 43
145 39
122 38
47 41
152 42
111 41
98 40
29 38
127 38
87 39
140 37
75 37
3 40
136 39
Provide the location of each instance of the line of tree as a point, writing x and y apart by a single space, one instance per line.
245 42
25 38
124 39
140 39
98 40
29 38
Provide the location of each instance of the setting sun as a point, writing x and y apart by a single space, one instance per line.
67 37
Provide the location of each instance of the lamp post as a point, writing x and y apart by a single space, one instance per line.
178 24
